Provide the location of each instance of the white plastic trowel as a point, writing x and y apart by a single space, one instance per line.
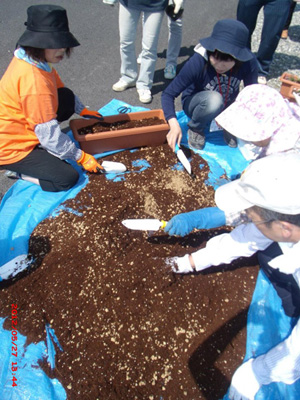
184 161
144 224
112 167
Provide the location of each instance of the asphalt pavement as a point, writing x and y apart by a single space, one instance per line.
95 65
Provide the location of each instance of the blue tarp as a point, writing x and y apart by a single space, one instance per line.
25 205
267 326
32 383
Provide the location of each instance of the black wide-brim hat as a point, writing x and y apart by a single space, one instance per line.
229 36
47 28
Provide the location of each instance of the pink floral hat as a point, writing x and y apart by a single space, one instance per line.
260 112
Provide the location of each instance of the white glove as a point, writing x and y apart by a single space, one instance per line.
244 384
178 5
180 265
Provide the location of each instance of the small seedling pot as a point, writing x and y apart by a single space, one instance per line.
289 83
95 143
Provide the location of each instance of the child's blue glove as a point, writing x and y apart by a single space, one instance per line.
205 218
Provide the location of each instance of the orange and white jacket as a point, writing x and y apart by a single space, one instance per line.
28 99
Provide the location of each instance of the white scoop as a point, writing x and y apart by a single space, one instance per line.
112 167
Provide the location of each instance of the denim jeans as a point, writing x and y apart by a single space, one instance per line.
128 22
174 41
202 108
275 16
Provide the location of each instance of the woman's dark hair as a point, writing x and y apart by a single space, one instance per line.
39 54
224 57
271 216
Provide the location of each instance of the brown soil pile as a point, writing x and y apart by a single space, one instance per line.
114 126
129 327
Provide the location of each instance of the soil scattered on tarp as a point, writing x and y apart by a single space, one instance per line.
129 327
103 126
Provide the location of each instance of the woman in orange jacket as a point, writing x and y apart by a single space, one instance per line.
33 100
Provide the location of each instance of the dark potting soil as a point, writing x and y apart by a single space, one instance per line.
113 126
130 328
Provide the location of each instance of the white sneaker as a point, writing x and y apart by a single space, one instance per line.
262 80
145 95
170 72
121 85
110 2
139 59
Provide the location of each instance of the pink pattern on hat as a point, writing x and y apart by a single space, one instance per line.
260 112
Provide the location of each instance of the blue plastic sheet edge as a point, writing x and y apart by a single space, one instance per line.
31 381
25 205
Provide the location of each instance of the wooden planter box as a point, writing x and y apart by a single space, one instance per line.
124 138
288 86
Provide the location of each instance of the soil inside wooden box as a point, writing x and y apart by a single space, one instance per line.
125 124
130 328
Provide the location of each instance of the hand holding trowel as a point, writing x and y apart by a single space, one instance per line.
91 164
184 161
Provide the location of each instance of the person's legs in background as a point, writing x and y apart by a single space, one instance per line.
285 31
151 29
275 16
139 58
174 45
128 21
247 13
201 108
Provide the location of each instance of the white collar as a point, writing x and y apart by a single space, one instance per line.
201 50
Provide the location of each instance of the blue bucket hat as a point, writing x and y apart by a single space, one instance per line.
229 36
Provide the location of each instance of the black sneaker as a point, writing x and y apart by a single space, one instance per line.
196 139
229 139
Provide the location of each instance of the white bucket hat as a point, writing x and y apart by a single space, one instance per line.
271 182
258 113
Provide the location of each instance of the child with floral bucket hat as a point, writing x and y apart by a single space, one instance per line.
209 82
263 121
33 100
269 193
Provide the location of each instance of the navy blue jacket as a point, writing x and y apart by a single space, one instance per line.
197 75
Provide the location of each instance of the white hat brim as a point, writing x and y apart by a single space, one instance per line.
229 200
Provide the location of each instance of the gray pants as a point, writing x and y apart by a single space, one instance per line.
128 22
